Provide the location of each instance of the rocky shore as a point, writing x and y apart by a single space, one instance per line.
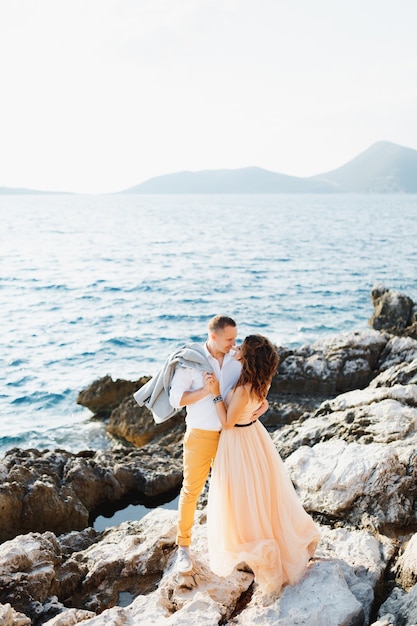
343 415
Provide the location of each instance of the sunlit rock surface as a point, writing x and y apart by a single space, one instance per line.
346 408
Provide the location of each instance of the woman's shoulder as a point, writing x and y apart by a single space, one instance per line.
239 394
243 390
246 392
250 395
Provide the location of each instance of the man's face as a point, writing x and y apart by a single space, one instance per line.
225 339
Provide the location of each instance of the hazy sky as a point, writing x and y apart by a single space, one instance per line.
100 95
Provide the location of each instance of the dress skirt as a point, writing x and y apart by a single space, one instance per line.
254 514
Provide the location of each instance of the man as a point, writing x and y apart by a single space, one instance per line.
190 387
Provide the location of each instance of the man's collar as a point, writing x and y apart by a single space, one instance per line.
227 356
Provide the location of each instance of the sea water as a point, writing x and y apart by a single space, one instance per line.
96 285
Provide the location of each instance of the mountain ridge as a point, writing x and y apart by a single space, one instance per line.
240 180
384 167
23 191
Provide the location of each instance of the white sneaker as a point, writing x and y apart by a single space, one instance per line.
184 563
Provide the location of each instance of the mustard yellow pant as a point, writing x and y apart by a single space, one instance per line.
200 447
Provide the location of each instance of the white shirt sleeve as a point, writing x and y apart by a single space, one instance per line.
181 381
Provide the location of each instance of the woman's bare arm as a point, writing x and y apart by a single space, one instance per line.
229 415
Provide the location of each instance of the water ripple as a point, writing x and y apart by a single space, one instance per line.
111 285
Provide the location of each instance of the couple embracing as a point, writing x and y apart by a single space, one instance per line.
254 514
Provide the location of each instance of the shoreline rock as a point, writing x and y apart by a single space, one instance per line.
394 312
60 491
343 415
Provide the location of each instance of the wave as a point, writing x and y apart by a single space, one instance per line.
124 342
40 400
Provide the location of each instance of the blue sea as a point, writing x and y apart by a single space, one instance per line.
96 285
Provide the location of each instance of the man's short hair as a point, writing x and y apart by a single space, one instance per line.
219 322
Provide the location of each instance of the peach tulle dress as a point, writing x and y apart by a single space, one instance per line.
254 514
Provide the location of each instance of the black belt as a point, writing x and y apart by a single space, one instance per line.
244 425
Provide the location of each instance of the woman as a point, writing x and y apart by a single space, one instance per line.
254 514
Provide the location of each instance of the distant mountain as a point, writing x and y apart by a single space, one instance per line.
23 191
245 180
383 168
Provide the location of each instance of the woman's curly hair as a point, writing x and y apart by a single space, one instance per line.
259 360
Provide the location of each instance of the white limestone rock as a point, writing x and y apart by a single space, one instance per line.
337 588
398 351
322 598
401 607
380 415
367 485
406 566
70 617
10 617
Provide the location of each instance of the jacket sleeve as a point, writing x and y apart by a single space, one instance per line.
145 392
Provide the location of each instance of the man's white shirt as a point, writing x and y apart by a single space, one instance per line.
202 414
